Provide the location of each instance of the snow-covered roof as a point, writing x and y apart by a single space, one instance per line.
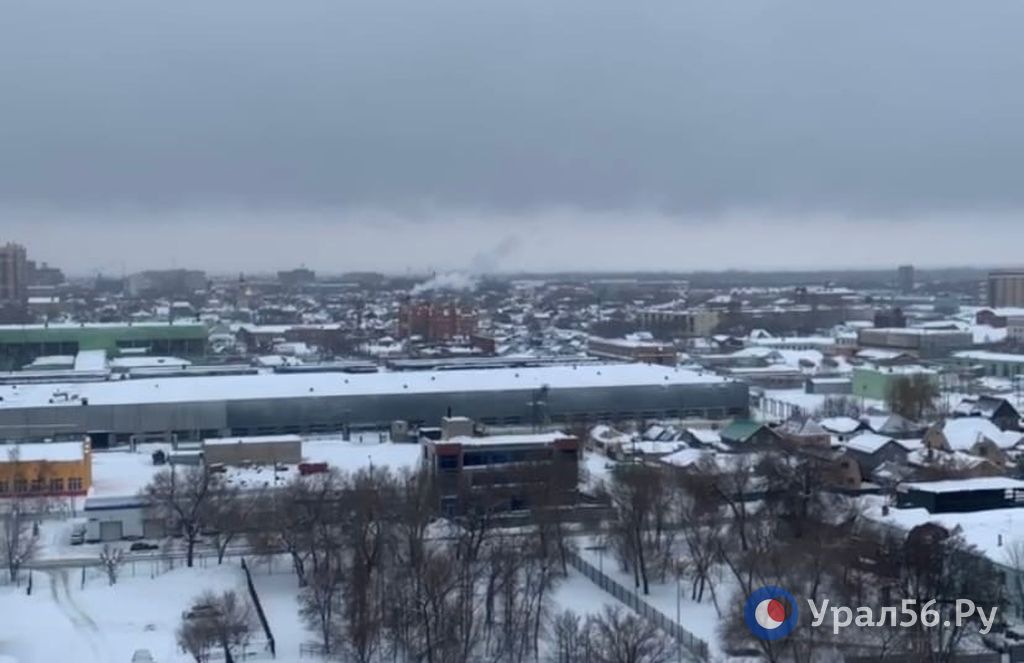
505 440
959 485
686 457
53 452
252 439
984 406
868 442
962 433
147 361
841 425
282 385
705 435
91 360
99 325
985 355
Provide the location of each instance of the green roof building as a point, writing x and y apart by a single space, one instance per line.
21 344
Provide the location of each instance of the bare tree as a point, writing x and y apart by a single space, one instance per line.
570 639
216 620
640 532
912 396
111 559
702 530
1014 559
185 497
230 515
321 604
18 542
938 565
620 637
840 406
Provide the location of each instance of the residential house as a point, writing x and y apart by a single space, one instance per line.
705 438
973 435
837 469
744 434
896 426
997 410
843 428
805 433
870 450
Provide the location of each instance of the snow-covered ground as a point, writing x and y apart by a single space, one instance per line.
63 621
98 623
119 473
700 619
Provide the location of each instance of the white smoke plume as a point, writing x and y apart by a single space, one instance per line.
483 262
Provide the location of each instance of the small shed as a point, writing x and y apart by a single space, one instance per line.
961 495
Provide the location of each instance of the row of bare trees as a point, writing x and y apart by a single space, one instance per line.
738 522
384 579
382 576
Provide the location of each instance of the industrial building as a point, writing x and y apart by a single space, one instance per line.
21 344
634 348
502 472
996 364
920 341
46 469
256 450
194 408
876 382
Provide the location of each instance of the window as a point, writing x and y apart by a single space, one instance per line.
56 485
448 462
74 484
5 487
38 485
20 486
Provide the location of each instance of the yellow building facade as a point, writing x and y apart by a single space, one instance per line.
45 469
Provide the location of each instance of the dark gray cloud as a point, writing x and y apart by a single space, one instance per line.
872 107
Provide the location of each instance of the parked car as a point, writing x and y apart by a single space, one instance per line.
143 545
78 535
142 656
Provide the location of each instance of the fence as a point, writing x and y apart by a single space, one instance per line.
697 647
259 609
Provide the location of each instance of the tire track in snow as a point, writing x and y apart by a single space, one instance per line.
60 591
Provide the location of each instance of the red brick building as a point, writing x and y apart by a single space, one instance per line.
436 321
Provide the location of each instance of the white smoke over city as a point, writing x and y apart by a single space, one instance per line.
450 281
484 262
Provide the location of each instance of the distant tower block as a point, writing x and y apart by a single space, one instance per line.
905 278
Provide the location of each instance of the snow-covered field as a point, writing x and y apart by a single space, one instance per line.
700 619
62 621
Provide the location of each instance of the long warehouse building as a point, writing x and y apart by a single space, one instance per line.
194 408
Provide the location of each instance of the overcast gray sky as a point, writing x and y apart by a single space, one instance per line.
396 134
